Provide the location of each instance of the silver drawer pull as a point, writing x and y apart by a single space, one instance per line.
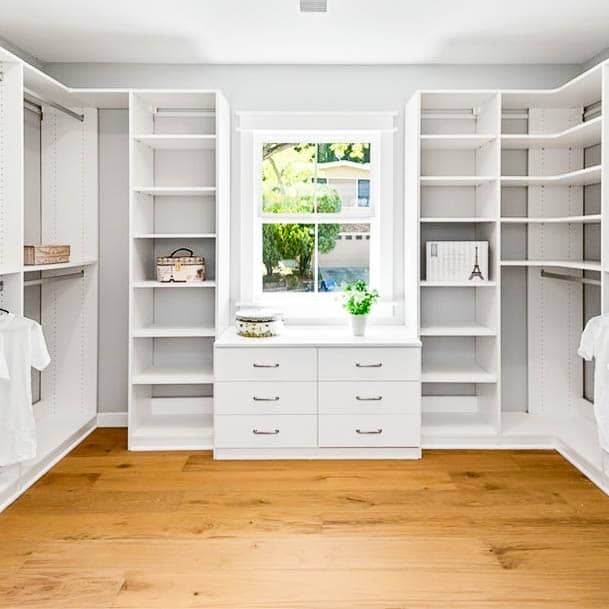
371 432
265 365
372 398
261 432
358 365
275 398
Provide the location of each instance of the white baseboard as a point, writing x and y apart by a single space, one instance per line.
112 419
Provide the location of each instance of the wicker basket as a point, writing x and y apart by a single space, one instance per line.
46 254
180 269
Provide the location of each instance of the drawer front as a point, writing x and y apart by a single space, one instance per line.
359 397
369 430
265 431
370 364
265 397
261 364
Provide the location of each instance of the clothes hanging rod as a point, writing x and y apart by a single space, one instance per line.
572 278
470 113
43 280
39 101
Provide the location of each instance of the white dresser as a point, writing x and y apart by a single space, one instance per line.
318 392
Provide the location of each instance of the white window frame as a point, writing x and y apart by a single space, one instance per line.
319 307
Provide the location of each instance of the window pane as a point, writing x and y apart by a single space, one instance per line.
343 166
288 172
344 255
287 256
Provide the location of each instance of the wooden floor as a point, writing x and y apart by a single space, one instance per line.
459 529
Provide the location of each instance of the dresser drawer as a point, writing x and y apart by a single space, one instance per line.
265 397
361 397
265 431
369 430
369 364
261 364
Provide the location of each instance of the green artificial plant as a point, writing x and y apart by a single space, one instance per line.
358 299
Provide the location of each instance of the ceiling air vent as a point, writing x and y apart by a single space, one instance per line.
313 6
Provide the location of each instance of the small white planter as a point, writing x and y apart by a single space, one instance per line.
358 324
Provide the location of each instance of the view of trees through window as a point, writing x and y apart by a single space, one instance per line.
321 179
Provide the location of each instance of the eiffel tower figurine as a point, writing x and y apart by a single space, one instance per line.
476 272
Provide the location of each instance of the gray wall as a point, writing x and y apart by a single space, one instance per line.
250 87
113 267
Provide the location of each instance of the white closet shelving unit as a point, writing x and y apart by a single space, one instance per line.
179 172
524 171
48 194
457 185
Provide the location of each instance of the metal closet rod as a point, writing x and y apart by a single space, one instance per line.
44 280
470 113
572 278
35 100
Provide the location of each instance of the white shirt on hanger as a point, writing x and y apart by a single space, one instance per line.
595 344
23 347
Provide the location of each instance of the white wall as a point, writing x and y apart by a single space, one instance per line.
253 87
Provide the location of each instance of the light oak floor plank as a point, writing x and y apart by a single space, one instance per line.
106 528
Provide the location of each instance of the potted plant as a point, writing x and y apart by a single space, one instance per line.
358 300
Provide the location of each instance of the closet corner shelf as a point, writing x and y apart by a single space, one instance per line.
159 284
177 142
592 218
456 180
58 267
580 177
174 331
457 220
457 284
582 265
580 136
457 329
175 236
174 375
456 372
176 191
456 142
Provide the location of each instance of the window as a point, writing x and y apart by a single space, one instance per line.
311 214
310 197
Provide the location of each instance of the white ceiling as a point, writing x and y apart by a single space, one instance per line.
273 31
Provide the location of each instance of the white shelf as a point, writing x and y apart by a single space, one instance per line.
57 267
177 142
592 218
582 265
174 375
174 331
457 284
581 136
175 236
455 425
457 329
580 177
455 180
176 191
455 142
179 431
456 372
159 284
457 220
